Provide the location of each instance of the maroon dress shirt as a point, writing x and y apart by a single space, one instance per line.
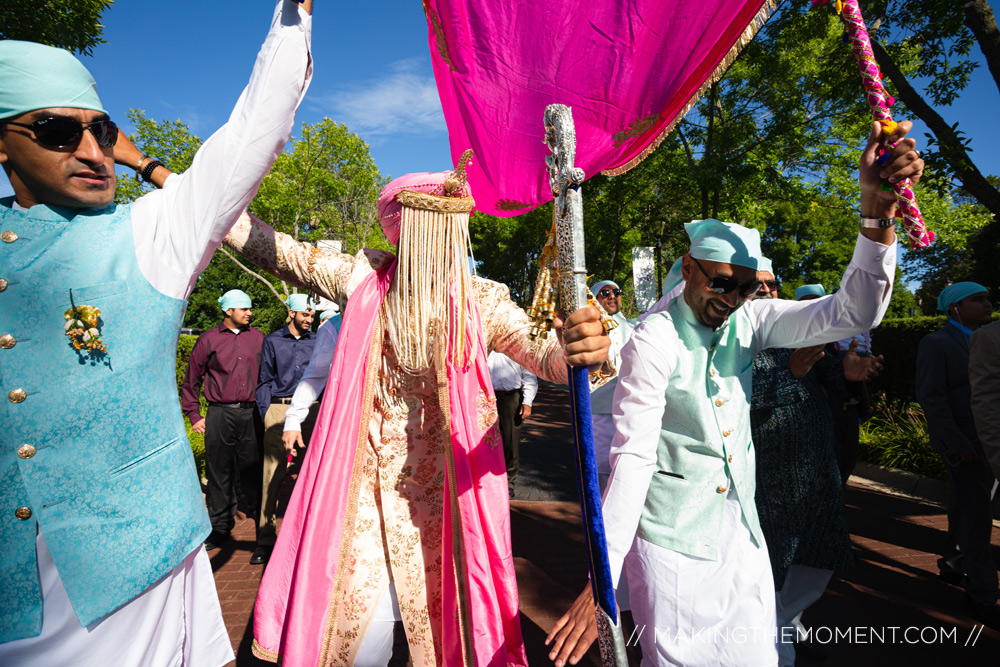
228 363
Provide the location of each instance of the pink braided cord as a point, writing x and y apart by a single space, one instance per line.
879 100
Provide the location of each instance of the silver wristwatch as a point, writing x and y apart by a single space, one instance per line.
877 223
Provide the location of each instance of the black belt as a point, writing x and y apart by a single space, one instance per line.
242 406
287 401
507 391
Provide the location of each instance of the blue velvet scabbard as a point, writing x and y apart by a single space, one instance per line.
590 492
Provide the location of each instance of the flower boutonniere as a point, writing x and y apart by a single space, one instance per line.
83 328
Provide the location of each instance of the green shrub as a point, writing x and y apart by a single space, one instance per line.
184 346
899 439
897 340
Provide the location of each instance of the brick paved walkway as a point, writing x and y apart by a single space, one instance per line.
894 584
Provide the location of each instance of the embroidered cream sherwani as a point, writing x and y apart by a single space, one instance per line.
399 518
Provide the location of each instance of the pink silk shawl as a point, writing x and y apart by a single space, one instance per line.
629 69
293 601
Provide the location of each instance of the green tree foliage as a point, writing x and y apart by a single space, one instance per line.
69 24
325 187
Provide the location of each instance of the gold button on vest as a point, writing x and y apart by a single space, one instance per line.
26 451
719 402
8 236
720 489
725 434
7 341
23 513
3 284
17 395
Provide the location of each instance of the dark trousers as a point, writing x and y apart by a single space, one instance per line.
509 416
232 464
970 523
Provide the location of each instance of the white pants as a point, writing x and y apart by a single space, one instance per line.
176 622
692 611
376 647
604 431
803 585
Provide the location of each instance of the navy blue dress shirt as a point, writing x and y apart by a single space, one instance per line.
283 359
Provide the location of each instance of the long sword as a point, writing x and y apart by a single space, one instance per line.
571 267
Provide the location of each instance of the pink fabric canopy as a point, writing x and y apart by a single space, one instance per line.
628 68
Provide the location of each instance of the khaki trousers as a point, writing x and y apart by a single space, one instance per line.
275 463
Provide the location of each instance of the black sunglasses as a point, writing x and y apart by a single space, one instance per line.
63 132
721 285
772 285
607 291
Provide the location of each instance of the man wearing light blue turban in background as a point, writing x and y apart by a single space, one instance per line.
227 360
103 558
283 359
945 394
679 507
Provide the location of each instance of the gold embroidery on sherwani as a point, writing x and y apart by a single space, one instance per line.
486 419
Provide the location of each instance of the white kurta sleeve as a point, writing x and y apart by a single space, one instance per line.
314 377
639 402
529 386
859 305
177 229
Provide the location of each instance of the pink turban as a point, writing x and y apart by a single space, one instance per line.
389 209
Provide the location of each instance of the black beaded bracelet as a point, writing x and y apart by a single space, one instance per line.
147 171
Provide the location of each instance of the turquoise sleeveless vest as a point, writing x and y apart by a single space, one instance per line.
93 450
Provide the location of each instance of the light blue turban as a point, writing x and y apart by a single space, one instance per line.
298 303
765 265
716 241
956 292
326 314
601 285
35 76
234 298
809 290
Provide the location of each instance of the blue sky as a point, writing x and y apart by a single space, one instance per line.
189 60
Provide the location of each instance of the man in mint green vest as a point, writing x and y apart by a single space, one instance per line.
102 514
679 508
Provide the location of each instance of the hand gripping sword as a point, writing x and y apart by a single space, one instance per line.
571 269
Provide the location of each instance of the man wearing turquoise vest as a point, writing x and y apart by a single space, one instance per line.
102 514
679 508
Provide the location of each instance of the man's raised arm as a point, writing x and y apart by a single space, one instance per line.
178 228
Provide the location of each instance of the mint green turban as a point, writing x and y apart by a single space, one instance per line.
956 292
326 314
601 285
765 265
298 303
809 290
234 298
716 241
35 76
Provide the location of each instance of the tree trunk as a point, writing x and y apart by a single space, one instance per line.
952 149
253 273
980 20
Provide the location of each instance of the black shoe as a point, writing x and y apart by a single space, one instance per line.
951 571
811 649
987 614
261 554
215 540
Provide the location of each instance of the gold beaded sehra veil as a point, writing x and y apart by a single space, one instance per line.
434 253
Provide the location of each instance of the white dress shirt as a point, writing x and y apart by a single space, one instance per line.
644 380
314 377
508 375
